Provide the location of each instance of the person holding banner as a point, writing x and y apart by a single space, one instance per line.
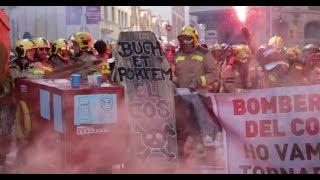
297 65
273 62
311 55
238 71
275 67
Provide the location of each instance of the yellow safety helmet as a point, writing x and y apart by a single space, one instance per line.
189 31
294 53
41 42
58 45
84 40
23 45
242 53
276 41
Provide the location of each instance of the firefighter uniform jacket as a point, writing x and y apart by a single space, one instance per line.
313 75
292 78
271 79
236 77
29 70
197 69
296 71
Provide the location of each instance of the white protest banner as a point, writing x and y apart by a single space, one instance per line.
272 130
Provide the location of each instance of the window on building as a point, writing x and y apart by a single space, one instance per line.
122 18
125 19
312 30
106 13
119 14
112 11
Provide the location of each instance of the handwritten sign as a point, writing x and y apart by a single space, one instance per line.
95 109
146 75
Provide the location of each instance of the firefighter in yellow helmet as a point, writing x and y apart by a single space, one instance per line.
311 55
217 51
275 67
24 66
42 52
197 70
276 41
84 53
296 65
238 71
60 54
82 45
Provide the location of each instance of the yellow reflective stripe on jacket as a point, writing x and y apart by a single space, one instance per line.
203 80
272 78
37 72
180 58
47 68
105 68
197 57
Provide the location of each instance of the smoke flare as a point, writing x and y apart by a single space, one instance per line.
241 12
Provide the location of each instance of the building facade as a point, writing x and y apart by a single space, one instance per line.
38 21
53 22
148 18
102 22
298 25
177 20
114 19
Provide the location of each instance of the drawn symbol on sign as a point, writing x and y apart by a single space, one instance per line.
83 109
156 141
106 103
